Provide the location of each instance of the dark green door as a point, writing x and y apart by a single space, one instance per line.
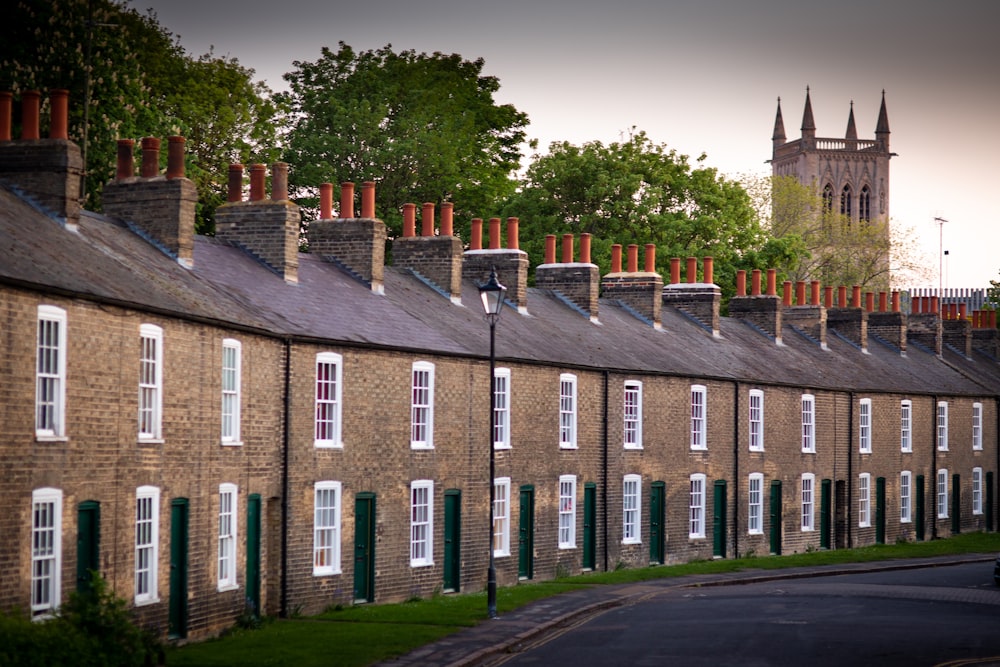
526 534
253 553
919 493
452 540
956 504
178 610
989 501
719 520
589 526
364 547
657 549
824 513
880 510
776 518
88 543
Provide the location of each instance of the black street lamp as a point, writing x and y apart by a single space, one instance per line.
492 293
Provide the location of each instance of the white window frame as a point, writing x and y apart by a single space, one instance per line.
905 496
942 426
328 420
756 417
808 424
977 426
808 488
699 417
864 500
942 493
232 390
147 545
150 382
46 551
632 415
906 426
228 538
696 507
977 490
50 373
567 511
632 509
422 405
421 523
501 408
755 504
567 411
327 497
865 426
501 516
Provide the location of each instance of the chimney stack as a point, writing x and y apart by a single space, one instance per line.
889 324
639 290
511 263
700 300
436 259
763 311
357 245
577 282
924 326
957 333
850 321
809 317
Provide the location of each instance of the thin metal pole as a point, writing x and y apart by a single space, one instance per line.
491 576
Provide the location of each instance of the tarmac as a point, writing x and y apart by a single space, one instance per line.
492 640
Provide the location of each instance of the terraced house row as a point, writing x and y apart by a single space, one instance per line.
216 423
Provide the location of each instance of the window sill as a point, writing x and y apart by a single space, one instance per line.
634 448
565 446
421 563
232 443
146 601
228 587
326 573
319 444
417 447
151 441
631 541
567 546
499 447
501 554
51 438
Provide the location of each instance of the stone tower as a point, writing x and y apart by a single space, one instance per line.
851 173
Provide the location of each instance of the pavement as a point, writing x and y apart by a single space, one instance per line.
490 641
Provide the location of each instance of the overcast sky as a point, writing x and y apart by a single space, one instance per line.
701 76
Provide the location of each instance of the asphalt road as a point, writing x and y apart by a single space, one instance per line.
929 616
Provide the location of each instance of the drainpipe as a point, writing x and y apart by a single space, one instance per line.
285 438
736 469
850 471
604 468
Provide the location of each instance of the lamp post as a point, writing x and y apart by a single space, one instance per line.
492 293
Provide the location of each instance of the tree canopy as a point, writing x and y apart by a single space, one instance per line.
424 128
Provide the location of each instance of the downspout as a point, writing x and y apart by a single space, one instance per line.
850 470
285 438
736 469
604 468
996 447
934 464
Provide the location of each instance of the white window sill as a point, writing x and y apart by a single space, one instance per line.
633 447
228 587
146 601
567 546
563 445
421 563
328 444
51 438
232 443
151 441
326 572
631 541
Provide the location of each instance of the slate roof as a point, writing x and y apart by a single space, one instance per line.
107 260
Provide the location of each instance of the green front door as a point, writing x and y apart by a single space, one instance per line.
589 526
920 511
956 504
776 517
657 551
719 520
253 553
364 547
88 544
178 609
824 513
989 501
880 510
452 540
526 534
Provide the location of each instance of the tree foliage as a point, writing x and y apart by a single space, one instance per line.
422 127
141 83
640 192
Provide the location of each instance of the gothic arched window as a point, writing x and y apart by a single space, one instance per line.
865 204
845 201
828 197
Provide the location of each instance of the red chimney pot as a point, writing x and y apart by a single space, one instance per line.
29 114
347 199
409 220
175 157
616 257
368 200
126 165
513 242
447 218
325 201
59 116
235 188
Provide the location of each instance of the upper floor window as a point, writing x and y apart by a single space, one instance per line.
567 511
421 523
977 490
699 395
808 424
905 496
755 504
865 204
326 528
828 197
631 508
501 408
50 386
150 382
329 391
942 493
227 536
46 551
501 516
567 410
633 415
864 500
422 406
846 205
808 503
905 426
756 420
865 426
977 426
942 426
147 544
231 390
696 507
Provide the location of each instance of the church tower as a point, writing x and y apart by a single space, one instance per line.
851 173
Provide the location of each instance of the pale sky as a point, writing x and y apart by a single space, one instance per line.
702 76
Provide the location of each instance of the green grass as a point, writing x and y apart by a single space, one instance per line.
360 635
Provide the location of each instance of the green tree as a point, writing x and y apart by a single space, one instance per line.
422 127
640 192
